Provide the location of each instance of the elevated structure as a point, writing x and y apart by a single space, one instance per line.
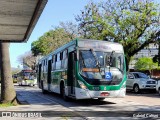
18 18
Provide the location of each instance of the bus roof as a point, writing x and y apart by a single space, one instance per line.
90 43
100 45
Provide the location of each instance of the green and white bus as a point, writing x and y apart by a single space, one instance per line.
27 77
84 69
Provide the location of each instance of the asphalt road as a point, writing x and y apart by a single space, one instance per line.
114 108
132 101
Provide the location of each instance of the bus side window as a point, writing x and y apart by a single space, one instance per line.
61 59
65 58
44 66
52 58
61 56
58 62
56 58
53 62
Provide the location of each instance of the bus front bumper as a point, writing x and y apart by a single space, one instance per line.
87 94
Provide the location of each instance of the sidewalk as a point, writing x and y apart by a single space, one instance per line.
39 108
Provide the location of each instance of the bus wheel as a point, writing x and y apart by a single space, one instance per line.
136 88
101 99
62 90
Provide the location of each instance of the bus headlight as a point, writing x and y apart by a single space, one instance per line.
82 85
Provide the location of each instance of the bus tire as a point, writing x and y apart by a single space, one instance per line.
101 99
43 91
62 91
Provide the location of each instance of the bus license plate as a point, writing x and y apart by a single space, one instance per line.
104 94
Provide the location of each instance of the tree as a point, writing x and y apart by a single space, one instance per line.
8 94
146 63
70 28
133 23
28 59
15 70
156 58
52 40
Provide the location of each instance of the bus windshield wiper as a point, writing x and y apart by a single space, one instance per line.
82 59
111 59
97 61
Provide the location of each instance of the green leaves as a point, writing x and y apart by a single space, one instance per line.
146 63
132 23
50 41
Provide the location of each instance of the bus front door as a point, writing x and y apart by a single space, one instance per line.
71 74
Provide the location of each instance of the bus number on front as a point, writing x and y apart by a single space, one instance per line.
96 88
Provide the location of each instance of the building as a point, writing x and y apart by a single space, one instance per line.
149 51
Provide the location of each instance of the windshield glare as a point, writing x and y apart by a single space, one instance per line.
140 75
100 61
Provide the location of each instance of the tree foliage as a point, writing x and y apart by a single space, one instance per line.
15 70
133 23
146 63
54 38
28 59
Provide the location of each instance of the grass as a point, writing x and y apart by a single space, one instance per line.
6 105
9 104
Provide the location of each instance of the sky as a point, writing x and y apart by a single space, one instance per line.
56 11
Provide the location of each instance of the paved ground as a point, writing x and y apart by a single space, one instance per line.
37 107
50 105
149 99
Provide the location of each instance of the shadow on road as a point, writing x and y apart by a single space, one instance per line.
52 102
85 102
29 95
152 94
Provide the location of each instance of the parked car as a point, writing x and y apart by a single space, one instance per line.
158 87
138 81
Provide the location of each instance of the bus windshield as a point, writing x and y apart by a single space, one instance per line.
29 75
94 64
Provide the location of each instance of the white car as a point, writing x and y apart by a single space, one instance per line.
138 81
158 87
